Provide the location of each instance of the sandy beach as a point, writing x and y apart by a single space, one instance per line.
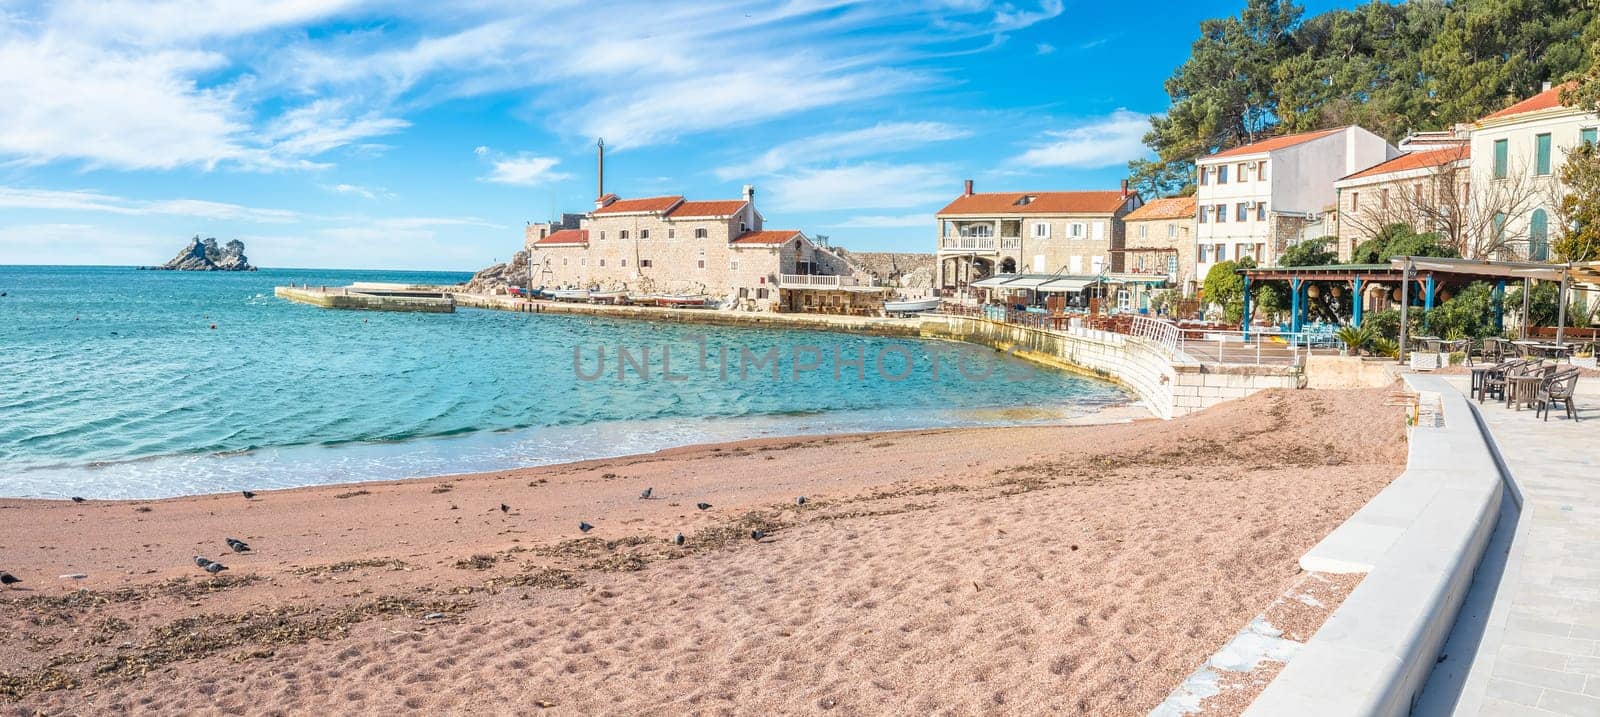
1043 569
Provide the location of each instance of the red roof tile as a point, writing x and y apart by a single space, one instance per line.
565 236
646 204
1092 202
1542 101
1170 208
1275 143
715 208
1416 160
770 236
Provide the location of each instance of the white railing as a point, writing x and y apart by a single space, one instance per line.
989 243
1255 346
802 281
1164 333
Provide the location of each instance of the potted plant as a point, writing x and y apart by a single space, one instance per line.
1354 339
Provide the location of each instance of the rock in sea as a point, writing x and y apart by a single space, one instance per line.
207 255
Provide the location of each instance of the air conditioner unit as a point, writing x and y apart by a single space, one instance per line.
1249 205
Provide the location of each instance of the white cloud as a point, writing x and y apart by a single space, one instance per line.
359 191
1044 48
522 169
89 201
882 138
1105 142
919 219
863 186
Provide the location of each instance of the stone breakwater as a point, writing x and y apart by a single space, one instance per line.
345 298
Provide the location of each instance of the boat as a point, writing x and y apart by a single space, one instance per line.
570 294
682 301
910 306
608 297
518 291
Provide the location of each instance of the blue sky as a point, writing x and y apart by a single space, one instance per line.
344 134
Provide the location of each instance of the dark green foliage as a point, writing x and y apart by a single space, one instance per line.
1399 240
1468 314
1542 306
1314 252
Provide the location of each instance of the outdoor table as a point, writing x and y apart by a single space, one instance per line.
1553 350
1522 389
1479 374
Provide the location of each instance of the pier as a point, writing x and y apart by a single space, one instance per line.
370 298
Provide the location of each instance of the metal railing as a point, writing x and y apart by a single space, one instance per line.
801 281
989 243
1159 331
1256 346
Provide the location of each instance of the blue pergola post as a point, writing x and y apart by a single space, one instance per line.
1294 304
1500 306
1355 315
1246 326
1427 302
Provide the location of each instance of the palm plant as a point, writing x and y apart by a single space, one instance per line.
1355 338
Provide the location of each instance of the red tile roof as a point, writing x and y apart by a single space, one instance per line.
646 204
770 236
1275 143
1092 202
1170 208
714 208
565 236
1542 101
1416 160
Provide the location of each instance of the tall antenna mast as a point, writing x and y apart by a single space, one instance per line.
600 176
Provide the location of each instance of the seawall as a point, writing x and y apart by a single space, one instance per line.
338 298
877 326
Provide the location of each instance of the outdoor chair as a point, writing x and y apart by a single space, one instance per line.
1558 389
1493 350
1494 384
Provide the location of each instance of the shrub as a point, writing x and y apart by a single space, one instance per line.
1384 347
1355 338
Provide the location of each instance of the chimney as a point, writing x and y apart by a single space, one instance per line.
968 192
1546 86
749 192
1124 188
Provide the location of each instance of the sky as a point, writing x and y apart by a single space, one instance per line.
350 134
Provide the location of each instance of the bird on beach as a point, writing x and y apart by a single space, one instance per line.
585 527
7 579
703 506
505 508
757 535
78 499
678 540
201 562
237 545
248 494
800 501
645 494
215 567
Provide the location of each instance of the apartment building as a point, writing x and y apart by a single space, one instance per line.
1161 240
1426 188
1517 154
1074 233
1256 200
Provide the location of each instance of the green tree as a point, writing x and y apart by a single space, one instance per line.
1578 237
1469 313
1312 252
1400 240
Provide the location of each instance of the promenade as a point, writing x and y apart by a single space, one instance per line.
1527 641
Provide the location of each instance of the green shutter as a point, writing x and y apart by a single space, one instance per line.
1539 236
1587 136
1500 150
1541 145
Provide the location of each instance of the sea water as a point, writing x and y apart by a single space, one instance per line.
119 383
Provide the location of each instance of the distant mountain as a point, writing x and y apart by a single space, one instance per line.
206 255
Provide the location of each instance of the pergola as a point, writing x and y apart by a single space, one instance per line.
1427 273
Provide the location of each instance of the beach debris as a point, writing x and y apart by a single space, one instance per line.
215 567
505 508
7 579
800 501
703 506
678 541
585 527
645 494
73 576
248 494
237 545
354 494
757 535
436 616
77 499
1074 547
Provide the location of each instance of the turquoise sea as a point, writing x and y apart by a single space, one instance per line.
114 384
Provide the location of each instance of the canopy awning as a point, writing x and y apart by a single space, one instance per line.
1064 285
1583 272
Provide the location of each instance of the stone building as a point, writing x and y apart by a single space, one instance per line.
1160 240
1073 233
1426 190
671 245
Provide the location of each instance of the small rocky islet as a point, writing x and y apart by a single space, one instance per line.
207 255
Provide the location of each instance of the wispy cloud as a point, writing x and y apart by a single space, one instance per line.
1044 48
1104 142
880 139
879 221
359 191
521 169
863 186
89 201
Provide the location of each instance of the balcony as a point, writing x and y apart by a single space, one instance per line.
986 244
817 281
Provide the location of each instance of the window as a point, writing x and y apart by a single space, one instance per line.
624 262
622 234
583 261
563 261
1099 231
1261 251
1205 253
761 293
1243 171
1075 230
1539 236
1172 231
1144 232
602 235
1261 211
672 233
1244 212
602 262
700 233
1355 201
1499 226
1222 174
1500 157
1222 213
1261 170
1204 172
1222 252
1541 154
733 264
644 233
1041 230
1204 210
1587 136
1383 198
1172 265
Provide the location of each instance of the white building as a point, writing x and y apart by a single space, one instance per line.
1255 200
1521 149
